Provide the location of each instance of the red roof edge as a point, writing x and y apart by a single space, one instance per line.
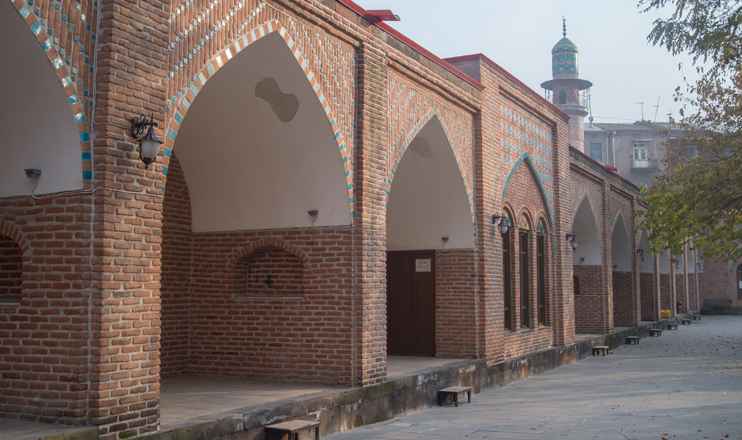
613 170
388 29
497 67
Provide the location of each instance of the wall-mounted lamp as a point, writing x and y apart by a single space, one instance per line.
699 265
504 222
582 260
615 266
677 265
640 252
33 173
313 213
149 144
572 239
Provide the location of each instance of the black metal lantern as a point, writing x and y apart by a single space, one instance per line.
149 144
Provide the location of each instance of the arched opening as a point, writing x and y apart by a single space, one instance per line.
623 303
38 127
587 263
256 204
269 271
11 270
429 233
562 96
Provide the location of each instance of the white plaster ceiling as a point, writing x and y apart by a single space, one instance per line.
646 266
427 200
248 169
587 236
36 121
621 246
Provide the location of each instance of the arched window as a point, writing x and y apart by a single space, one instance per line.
541 272
525 308
562 96
507 298
269 271
11 266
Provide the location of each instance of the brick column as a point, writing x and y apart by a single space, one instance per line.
563 292
606 305
370 226
673 291
636 309
656 292
131 70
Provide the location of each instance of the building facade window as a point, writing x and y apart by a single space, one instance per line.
525 261
506 297
640 151
596 151
541 276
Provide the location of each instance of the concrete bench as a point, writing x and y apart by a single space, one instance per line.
292 428
655 332
632 340
685 321
598 349
672 326
454 393
696 317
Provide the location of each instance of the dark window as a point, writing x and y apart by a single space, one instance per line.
541 268
562 97
524 302
506 279
596 152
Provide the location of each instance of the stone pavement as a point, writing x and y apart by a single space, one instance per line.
686 384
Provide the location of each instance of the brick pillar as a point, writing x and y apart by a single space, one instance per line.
131 71
673 292
636 309
686 278
656 300
606 305
563 291
697 293
371 215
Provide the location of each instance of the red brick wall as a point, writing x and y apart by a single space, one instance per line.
269 271
590 304
622 301
666 293
718 283
175 289
456 304
680 292
11 262
44 339
648 301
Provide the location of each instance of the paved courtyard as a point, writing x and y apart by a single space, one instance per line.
686 384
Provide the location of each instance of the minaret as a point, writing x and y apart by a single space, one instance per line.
566 85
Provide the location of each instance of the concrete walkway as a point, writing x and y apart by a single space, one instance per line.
686 384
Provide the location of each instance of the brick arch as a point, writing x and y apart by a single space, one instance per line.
11 231
525 212
182 106
616 216
263 242
406 143
526 158
60 68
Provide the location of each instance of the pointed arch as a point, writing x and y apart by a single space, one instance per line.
199 81
620 245
406 143
62 73
584 224
531 166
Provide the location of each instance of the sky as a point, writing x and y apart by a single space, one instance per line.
611 36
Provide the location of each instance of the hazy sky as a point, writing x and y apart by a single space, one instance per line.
518 35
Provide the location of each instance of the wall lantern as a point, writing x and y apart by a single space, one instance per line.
149 144
640 252
504 222
572 239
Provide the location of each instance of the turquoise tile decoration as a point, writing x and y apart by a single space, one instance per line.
87 175
25 11
84 137
36 28
86 156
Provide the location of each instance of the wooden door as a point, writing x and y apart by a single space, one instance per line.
411 303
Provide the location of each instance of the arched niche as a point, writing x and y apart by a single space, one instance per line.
428 200
257 149
37 125
621 251
588 252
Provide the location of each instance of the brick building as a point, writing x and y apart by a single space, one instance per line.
328 194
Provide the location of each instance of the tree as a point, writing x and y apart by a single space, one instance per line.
698 200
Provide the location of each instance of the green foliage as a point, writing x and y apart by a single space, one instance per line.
699 198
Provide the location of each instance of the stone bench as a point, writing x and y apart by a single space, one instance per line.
292 428
655 332
632 340
696 317
598 349
672 326
454 393
686 321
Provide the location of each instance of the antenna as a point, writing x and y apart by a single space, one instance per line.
642 104
656 108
